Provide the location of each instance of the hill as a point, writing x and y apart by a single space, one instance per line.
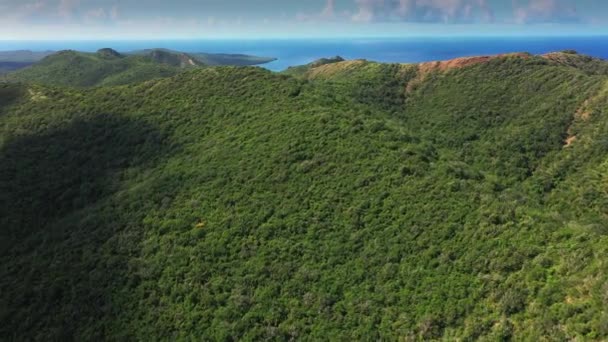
584 63
302 69
106 67
363 201
109 67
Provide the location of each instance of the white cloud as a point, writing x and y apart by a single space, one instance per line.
98 13
114 14
545 11
67 8
25 10
445 11
329 10
326 14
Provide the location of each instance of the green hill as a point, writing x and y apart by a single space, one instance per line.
584 63
462 200
109 67
79 69
302 69
15 60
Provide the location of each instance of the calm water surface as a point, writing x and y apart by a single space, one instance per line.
302 51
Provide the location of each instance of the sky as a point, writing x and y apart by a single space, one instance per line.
220 19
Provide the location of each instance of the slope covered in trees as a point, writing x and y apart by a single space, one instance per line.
109 67
357 201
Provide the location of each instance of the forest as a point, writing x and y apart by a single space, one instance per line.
341 201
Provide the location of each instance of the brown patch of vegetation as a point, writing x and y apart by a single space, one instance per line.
584 112
464 62
405 69
570 140
568 59
559 57
36 95
426 68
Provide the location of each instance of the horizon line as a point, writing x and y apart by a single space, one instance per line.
246 38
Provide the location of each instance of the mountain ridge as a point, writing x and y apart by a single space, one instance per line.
15 61
109 67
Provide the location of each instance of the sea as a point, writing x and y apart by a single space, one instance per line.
291 52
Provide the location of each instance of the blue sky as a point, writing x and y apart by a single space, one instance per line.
154 19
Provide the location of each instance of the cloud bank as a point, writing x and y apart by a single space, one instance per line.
196 18
545 11
439 11
359 11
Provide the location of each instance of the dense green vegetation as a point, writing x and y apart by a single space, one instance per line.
108 67
582 62
80 69
232 203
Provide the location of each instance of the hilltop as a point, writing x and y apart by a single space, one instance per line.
461 200
79 69
109 67
302 69
584 63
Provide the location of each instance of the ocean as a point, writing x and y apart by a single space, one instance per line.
302 51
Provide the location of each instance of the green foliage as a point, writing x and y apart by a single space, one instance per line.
108 67
237 204
70 68
588 64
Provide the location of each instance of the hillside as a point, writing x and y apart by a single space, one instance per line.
594 66
109 67
357 201
79 69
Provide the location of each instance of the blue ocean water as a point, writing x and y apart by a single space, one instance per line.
302 51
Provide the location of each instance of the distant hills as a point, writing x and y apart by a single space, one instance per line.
344 200
23 56
19 59
208 59
109 67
